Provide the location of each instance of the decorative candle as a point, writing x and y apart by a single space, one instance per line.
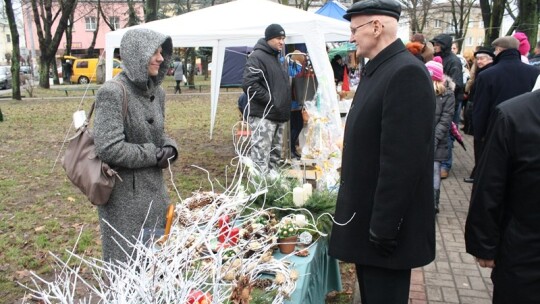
308 190
300 220
298 196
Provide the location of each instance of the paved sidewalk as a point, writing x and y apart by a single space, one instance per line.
454 276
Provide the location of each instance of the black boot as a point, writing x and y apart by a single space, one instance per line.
436 196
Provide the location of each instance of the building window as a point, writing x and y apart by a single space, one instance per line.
471 24
115 22
8 38
481 24
437 23
90 23
469 41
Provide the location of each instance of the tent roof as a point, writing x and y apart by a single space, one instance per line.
238 23
333 9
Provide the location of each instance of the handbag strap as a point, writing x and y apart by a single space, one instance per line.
124 102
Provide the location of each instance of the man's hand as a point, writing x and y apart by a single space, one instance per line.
486 263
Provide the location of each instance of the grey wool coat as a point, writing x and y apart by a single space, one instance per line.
130 146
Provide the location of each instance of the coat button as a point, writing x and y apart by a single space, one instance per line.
150 121
152 98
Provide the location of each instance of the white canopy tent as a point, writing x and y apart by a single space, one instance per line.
242 23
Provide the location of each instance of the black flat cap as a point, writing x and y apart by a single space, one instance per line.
485 50
390 8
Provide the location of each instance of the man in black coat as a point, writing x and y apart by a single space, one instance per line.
266 83
507 78
503 224
385 203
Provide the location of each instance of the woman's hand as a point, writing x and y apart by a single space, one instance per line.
163 155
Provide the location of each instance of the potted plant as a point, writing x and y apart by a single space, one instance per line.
287 235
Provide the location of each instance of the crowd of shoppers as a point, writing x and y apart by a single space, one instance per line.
397 146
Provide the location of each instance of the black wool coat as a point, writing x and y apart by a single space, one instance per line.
387 166
507 78
503 223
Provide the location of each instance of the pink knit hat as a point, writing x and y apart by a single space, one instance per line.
435 69
524 46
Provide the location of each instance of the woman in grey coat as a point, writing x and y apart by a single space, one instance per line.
135 145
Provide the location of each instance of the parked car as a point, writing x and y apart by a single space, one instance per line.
85 69
25 69
5 77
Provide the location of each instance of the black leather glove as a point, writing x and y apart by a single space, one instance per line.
163 154
385 246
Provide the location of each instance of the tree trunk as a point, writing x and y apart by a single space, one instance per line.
132 15
151 10
90 51
492 16
528 20
15 62
48 44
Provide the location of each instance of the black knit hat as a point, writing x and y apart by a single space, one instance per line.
273 31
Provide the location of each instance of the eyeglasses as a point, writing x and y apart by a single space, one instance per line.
354 29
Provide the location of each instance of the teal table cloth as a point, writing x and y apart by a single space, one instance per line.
318 274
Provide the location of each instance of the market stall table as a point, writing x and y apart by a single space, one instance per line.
318 274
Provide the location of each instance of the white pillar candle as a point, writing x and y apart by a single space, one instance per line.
300 220
298 196
308 190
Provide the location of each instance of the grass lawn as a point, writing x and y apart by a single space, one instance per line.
42 212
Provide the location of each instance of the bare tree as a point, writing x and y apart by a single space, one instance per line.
45 15
302 4
461 11
133 19
527 18
418 12
492 15
15 65
90 51
151 10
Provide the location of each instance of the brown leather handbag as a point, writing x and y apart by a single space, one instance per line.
84 169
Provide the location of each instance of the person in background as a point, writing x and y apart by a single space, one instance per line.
452 67
178 73
338 68
444 111
427 50
502 230
415 48
484 60
535 59
68 71
507 78
385 198
524 46
267 84
303 87
135 145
